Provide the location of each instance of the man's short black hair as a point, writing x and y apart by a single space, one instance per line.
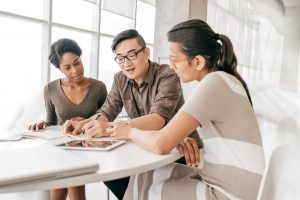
125 35
60 47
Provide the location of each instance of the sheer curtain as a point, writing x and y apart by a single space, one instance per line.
257 44
266 40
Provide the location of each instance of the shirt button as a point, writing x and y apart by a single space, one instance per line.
141 108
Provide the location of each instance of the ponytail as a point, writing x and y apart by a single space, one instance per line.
228 62
197 38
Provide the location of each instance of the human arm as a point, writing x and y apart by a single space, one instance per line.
51 118
161 141
97 128
102 94
164 102
108 112
168 100
209 103
151 121
162 107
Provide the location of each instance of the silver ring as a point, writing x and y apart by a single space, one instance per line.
195 145
108 130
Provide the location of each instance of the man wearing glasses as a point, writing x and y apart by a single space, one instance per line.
148 91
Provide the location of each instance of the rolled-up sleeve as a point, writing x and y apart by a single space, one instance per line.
103 95
51 118
168 95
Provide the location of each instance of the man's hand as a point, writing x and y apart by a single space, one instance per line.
96 128
189 149
120 130
73 127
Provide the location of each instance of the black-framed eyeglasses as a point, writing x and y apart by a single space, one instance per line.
130 56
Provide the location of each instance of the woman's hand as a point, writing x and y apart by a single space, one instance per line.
190 150
38 126
73 127
120 130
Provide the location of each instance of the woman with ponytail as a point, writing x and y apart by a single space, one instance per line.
220 106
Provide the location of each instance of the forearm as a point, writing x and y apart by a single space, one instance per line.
164 140
148 140
148 122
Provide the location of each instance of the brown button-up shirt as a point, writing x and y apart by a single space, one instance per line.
160 93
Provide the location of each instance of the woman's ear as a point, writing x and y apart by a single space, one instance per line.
200 62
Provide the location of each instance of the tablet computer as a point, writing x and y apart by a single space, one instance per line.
94 145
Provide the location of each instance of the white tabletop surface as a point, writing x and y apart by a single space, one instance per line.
126 160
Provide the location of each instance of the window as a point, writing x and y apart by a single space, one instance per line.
76 13
120 23
20 48
30 8
28 28
108 67
145 21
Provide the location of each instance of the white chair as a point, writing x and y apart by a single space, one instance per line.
281 180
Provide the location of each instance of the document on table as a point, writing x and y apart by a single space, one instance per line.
46 134
10 137
50 133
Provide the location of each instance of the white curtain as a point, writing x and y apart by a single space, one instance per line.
257 44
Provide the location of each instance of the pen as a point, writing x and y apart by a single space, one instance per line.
97 116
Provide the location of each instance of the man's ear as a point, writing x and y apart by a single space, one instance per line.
147 52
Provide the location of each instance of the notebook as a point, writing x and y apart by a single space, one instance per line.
44 162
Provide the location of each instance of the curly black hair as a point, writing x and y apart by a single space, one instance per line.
60 47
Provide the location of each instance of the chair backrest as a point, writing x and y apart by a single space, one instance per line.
281 180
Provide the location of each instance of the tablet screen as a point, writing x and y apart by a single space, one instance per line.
91 145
